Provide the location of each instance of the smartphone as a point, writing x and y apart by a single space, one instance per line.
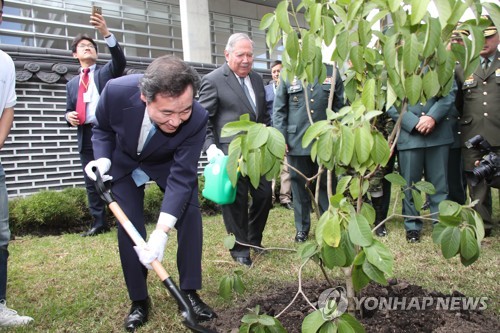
96 9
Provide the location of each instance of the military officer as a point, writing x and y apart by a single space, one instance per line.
423 147
478 101
291 119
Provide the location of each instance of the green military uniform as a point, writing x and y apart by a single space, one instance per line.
290 118
425 154
478 101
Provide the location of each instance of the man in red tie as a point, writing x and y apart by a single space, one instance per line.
82 94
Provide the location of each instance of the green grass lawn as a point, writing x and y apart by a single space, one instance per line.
72 284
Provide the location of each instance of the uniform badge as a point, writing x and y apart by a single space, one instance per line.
328 80
295 84
469 81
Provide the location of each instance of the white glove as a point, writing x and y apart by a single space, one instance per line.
102 164
213 152
154 249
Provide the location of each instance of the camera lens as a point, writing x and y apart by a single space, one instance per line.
484 170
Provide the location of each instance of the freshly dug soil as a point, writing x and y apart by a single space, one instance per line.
376 319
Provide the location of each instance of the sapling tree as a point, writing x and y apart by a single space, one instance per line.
399 56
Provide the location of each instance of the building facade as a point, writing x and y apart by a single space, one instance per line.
41 151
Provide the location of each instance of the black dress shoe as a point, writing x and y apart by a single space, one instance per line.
301 237
381 231
138 315
287 205
203 311
243 260
413 236
95 231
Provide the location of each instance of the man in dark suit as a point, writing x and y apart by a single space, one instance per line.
150 128
92 78
226 99
285 197
478 101
291 119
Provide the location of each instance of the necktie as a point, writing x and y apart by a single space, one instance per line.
247 93
138 175
486 64
82 88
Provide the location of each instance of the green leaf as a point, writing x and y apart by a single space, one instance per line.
356 57
225 287
450 208
468 244
359 230
346 145
266 320
235 127
266 21
450 221
354 189
432 37
282 16
418 10
353 322
411 50
238 285
395 179
368 94
368 212
437 232
276 143
417 200
381 152
229 241
425 187
450 242
444 10
307 250
342 184
328 29
315 17
253 168
331 231
379 256
313 322
314 131
413 88
292 45
359 278
364 142
257 136
374 273
325 146
342 44
333 256
431 84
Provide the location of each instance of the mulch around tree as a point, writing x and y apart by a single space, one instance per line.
419 317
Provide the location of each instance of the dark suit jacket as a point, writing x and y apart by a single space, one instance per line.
221 94
102 74
171 160
270 99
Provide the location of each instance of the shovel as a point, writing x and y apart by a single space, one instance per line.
185 307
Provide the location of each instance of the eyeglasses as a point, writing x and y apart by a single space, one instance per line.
84 46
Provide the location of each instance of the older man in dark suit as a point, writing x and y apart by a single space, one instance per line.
151 128
227 93
82 96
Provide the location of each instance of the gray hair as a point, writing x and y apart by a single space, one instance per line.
168 76
234 38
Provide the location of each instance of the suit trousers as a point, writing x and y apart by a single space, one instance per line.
189 238
97 206
457 184
285 186
247 223
433 162
4 235
301 197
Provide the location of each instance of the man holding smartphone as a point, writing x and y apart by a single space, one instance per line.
82 94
